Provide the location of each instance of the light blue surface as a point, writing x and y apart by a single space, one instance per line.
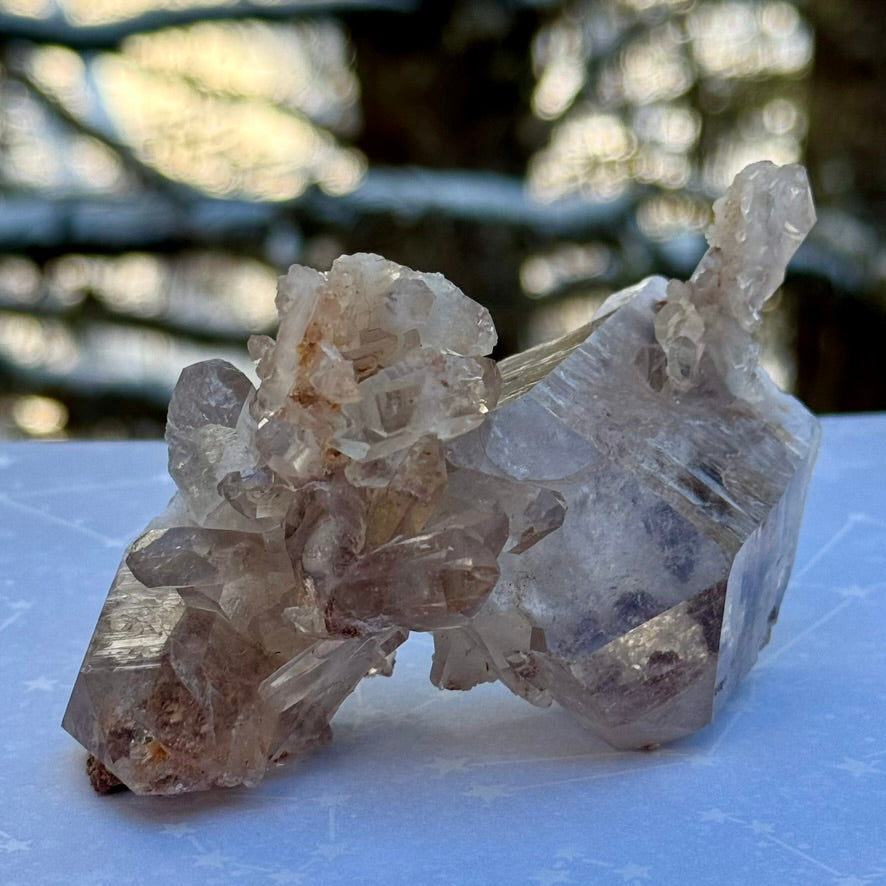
421 786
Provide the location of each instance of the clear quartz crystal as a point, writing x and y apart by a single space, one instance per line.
607 521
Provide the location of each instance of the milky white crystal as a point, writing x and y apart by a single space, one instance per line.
607 521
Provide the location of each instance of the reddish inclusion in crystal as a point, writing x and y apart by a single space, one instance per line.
607 520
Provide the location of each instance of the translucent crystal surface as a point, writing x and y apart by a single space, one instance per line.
607 521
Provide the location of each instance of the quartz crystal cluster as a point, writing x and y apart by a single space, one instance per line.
607 521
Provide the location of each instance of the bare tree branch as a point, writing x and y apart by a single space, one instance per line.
127 222
58 29
34 221
411 192
144 174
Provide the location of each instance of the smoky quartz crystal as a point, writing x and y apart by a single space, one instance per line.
607 521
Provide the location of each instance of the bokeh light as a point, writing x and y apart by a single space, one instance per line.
39 416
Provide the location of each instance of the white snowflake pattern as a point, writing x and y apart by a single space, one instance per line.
41 684
568 853
445 765
550 876
331 851
287 878
331 800
852 592
632 872
487 792
859 768
214 860
178 830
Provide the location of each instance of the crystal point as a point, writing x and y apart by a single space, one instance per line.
607 521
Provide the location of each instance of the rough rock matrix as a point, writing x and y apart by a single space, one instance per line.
607 521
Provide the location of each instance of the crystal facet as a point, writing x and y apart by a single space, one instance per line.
607 521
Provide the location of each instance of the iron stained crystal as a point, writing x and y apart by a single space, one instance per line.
607 521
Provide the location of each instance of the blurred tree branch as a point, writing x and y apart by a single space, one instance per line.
118 222
58 29
146 175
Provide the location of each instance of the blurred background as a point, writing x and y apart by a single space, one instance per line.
162 162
